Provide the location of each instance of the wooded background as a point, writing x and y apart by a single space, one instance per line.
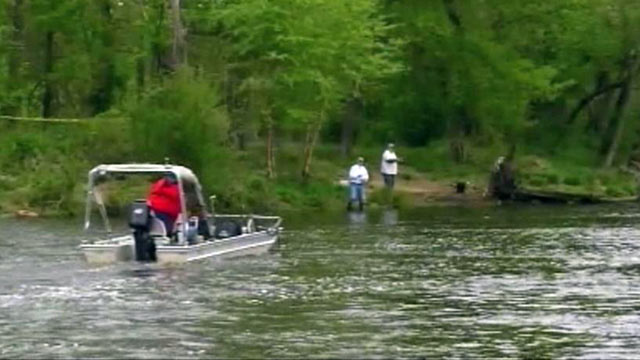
201 80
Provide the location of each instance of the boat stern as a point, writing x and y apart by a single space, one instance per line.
107 252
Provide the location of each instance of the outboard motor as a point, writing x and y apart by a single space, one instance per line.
139 221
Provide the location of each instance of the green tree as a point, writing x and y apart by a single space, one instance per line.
299 59
181 120
463 80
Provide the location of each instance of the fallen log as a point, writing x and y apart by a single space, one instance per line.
26 214
563 197
503 186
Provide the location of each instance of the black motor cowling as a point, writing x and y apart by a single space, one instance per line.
139 221
139 217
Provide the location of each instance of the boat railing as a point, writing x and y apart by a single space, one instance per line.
259 221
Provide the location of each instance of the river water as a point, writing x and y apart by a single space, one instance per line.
510 282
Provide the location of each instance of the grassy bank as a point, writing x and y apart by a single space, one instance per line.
47 175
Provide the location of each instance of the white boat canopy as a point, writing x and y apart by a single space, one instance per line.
189 186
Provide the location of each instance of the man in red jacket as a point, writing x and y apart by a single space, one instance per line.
164 200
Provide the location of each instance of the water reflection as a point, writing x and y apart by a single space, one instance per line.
389 217
141 271
357 218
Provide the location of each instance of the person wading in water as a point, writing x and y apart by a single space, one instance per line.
358 177
389 166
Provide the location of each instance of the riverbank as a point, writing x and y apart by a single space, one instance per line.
427 178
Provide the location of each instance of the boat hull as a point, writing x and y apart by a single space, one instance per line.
109 251
123 249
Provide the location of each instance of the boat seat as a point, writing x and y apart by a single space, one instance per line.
225 228
157 228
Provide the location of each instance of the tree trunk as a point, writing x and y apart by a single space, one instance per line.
618 119
141 76
458 132
307 146
599 111
177 56
584 102
349 123
458 149
270 157
101 97
15 55
158 61
452 13
48 96
460 127
313 131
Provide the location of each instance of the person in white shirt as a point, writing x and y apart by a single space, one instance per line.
389 166
358 177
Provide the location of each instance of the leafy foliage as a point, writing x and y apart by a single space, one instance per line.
552 77
179 120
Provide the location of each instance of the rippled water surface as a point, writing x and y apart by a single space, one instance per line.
558 282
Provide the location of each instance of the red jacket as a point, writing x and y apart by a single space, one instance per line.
164 197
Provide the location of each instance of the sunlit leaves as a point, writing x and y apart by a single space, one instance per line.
313 52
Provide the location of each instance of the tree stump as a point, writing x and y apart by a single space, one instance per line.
502 184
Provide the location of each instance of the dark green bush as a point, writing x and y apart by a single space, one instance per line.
552 178
180 121
572 181
615 192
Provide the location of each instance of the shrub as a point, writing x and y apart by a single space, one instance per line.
553 178
572 181
180 120
614 192
629 190
287 195
537 180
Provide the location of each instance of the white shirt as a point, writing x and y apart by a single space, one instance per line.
389 168
358 174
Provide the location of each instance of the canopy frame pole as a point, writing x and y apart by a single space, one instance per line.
88 203
183 209
94 196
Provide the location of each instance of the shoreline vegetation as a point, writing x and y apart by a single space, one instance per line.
55 188
270 102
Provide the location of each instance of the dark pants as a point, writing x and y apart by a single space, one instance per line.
167 220
389 180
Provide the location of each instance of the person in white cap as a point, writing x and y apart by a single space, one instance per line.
389 166
358 177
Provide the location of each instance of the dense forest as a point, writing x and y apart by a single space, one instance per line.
254 94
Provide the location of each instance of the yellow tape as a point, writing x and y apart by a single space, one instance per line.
48 120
